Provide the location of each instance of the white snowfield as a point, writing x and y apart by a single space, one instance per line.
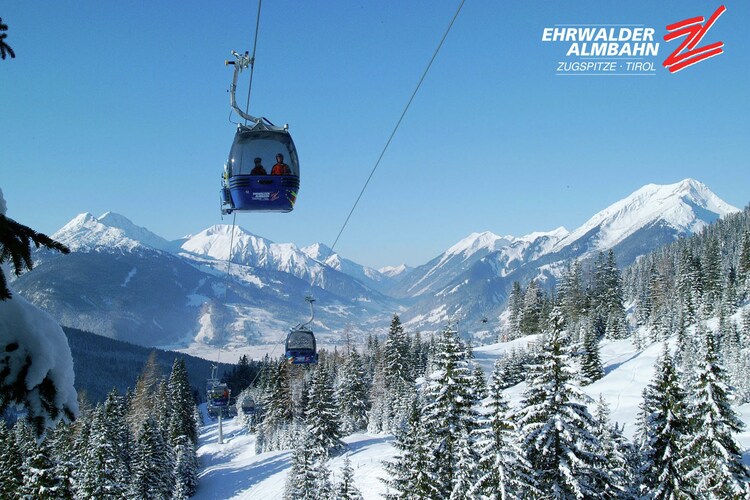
233 470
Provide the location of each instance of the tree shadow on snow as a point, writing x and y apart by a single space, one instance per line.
354 448
239 480
615 366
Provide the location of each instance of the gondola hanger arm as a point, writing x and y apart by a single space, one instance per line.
241 62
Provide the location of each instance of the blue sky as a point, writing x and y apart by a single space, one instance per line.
122 106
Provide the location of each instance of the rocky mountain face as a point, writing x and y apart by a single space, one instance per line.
124 282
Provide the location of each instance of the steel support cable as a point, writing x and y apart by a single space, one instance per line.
398 124
228 276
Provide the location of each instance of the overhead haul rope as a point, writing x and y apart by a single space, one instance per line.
252 59
398 124
393 133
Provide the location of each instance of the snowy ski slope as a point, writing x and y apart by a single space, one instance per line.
234 471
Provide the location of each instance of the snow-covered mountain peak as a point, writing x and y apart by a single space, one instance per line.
478 241
318 251
85 232
216 241
393 271
555 234
686 206
249 249
132 231
113 219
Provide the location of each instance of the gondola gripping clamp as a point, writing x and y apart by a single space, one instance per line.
241 61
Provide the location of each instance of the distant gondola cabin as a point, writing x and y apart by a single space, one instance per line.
300 346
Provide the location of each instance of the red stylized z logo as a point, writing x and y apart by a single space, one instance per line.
693 31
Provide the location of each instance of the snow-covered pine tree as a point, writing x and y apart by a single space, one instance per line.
181 404
418 356
661 434
153 465
591 363
658 291
345 489
570 292
449 416
689 286
478 382
81 436
371 355
103 471
351 394
513 366
278 410
730 298
532 309
116 430
323 487
11 478
321 416
610 299
615 476
713 456
741 369
185 469
40 481
556 427
379 410
397 378
711 275
162 406
60 440
515 305
743 269
396 354
409 473
598 293
466 465
503 472
308 477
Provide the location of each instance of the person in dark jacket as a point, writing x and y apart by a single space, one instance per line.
258 169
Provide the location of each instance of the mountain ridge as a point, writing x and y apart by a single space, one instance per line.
183 285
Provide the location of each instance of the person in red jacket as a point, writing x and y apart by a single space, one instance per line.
280 168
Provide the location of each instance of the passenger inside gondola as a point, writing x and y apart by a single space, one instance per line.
258 169
280 168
